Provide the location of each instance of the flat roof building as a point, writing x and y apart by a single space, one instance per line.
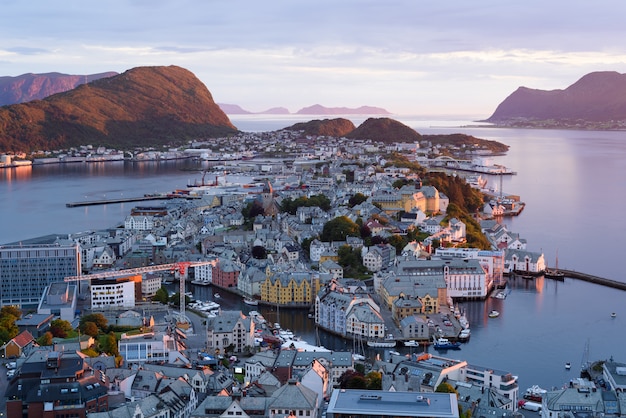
26 270
351 403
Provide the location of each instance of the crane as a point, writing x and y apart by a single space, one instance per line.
180 267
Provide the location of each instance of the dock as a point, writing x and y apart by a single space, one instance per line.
593 279
130 199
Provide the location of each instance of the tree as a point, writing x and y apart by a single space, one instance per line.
11 310
338 229
45 339
161 295
97 318
90 328
445 387
356 199
259 252
374 380
109 344
60 328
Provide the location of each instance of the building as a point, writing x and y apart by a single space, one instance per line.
116 292
230 330
59 299
36 324
26 270
18 345
353 403
155 346
56 384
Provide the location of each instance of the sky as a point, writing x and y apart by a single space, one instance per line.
410 57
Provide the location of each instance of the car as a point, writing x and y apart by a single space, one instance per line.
11 365
11 373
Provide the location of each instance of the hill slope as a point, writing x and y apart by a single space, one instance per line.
385 130
596 97
27 87
144 106
323 110
329 127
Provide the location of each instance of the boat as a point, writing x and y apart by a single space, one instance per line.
411 343
387 342
250 301
554 273
445 344
568 365
216 295
464 334
613 314
494 314
534 393
500 295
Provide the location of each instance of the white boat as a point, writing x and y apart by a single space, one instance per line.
494 314
613 315
500 295
250 301
358 357
387 342
568 365
216 295
411 343
464 334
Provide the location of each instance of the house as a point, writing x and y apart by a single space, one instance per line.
230 330
36 324
18 345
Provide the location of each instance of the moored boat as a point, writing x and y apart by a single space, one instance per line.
464 334
411 343
387 342
445 344
250 301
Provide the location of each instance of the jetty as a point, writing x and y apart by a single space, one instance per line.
130 199
593 279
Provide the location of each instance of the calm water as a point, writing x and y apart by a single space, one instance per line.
573 183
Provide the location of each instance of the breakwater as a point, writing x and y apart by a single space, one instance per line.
593 279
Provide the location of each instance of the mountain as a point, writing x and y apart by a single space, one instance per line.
385 130
233 109
27 87
596 97
322 110
144 106
328 127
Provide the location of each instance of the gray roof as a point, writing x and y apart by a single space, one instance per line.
294 395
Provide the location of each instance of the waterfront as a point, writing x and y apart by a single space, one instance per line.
571 181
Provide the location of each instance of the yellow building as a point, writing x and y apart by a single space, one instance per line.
290 288
408 198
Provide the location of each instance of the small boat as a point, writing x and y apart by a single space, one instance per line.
494 314
464 334
250 301
500 295
568 365
411 343
613 314
394 353
445 344
216 295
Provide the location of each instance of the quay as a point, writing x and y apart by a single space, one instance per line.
130 199
593 279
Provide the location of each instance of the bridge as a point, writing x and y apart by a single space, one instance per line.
593 279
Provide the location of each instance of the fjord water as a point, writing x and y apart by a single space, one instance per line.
573 183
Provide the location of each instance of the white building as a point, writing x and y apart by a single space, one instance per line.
113 293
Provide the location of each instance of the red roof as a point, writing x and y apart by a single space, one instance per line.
23 339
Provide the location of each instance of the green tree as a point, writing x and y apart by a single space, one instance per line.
338 229
60 328
374 380
97 318
11 310
161 295
445 387
356 199
109 344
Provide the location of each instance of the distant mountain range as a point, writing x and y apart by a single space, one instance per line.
233 109
597 97
27 87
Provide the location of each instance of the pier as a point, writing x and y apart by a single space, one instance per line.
593 279
130 199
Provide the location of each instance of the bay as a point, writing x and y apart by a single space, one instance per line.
573 183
